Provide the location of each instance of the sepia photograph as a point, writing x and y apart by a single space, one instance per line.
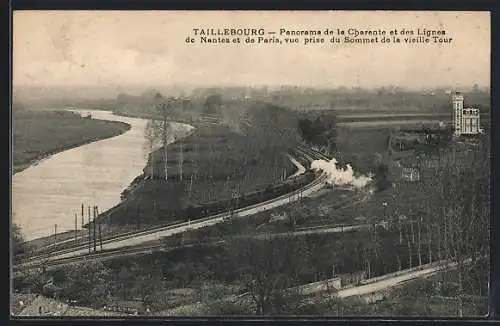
250 163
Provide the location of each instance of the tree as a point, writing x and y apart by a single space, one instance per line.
182 273
34 276
381 176
213 104
164 110
146 278
260 265
458 192
89 282
151 135
125 278
158 130
18 242
322 131
416 290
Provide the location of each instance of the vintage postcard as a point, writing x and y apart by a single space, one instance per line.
250 163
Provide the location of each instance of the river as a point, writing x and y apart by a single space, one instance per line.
51 191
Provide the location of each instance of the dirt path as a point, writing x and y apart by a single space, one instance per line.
300 168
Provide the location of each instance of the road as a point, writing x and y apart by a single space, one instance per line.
315 230
146 236
370 286
385 282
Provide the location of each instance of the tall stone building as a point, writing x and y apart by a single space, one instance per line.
466 121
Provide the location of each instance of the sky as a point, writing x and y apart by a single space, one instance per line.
113 48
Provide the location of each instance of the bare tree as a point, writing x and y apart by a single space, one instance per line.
151 136
262 267
35 274
159 131
459 192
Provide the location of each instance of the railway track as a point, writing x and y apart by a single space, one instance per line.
121 244
113 253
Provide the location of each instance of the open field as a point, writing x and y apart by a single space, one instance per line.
350 101
39 134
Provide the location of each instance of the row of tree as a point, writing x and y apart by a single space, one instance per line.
320 131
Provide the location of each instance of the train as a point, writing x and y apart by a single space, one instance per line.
243 200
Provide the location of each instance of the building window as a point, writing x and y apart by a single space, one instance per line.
464 112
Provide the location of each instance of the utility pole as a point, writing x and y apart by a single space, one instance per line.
195 162
83 219
97 213
152 170
55 233
76 227
412 233
100 236
164 138
190 186
181 161
93 222
400 231
419 248
430 242
88 227
409 253
369 267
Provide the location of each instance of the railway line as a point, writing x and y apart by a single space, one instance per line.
111 253
122 244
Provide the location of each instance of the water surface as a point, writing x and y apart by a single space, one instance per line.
53 190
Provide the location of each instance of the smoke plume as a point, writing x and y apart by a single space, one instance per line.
340 177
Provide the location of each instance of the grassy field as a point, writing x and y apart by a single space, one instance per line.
38 134
357 101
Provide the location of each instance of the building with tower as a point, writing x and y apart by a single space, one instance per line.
466 121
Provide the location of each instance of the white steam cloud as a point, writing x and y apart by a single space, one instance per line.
340 177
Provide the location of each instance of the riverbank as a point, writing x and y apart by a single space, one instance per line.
93 175
37 135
